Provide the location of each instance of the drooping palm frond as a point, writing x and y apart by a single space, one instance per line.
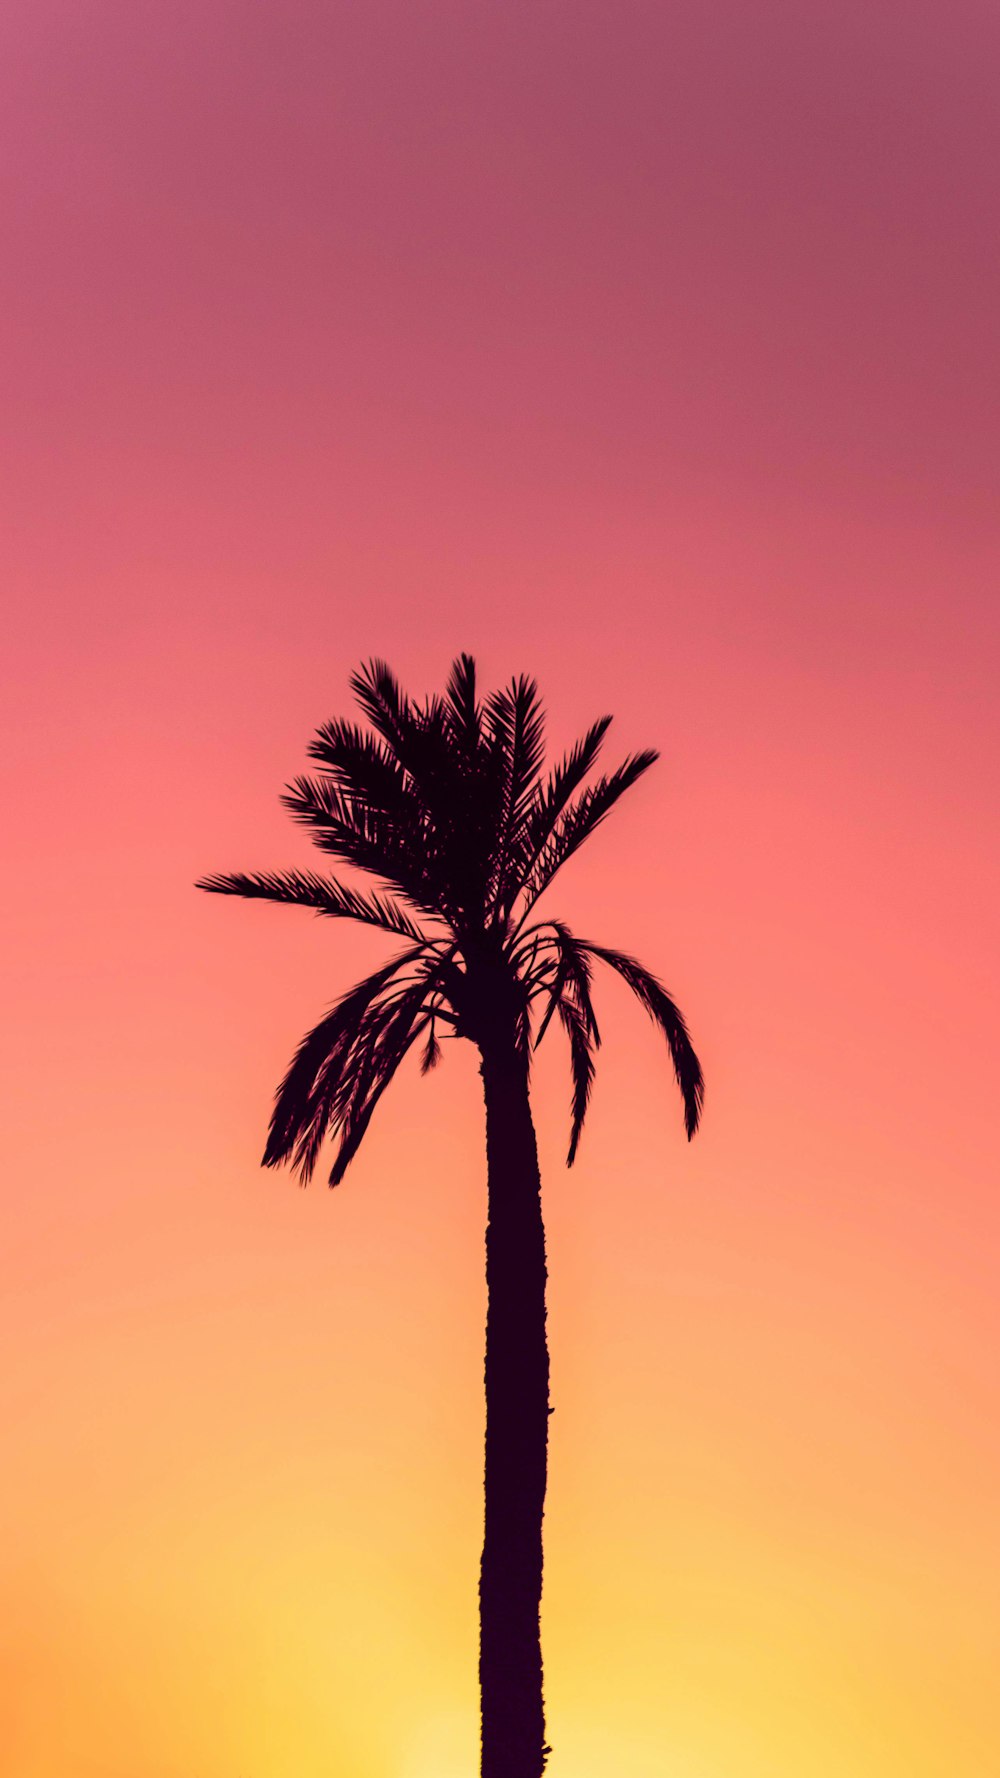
554 965
665 1013
552 981
556 970
323 894
432 1048
581 1056
383 1042
580 978
302 1106
342 1067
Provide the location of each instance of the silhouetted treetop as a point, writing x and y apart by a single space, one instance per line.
446 804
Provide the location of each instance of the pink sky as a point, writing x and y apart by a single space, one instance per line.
652 350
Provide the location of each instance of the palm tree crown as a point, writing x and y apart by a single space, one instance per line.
447 805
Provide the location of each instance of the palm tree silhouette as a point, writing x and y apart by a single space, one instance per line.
446 805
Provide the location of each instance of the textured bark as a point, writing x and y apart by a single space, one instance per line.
517 1416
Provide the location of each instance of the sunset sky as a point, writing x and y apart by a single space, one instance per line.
652 349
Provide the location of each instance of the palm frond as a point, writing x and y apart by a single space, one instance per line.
582 1066
464 713
432 1050
517 724
387 708
551 980
302 1113
578 822
371 840
362 766
548 804
516 743
551 964
385 1037
665 1013
323 894
580 977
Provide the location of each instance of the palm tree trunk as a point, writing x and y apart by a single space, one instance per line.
517 1424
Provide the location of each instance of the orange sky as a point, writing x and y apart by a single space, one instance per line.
651 350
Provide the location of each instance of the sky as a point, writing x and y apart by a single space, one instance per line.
651 350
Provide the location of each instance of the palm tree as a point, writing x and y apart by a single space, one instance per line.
446 805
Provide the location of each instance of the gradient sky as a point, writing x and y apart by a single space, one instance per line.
651 349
